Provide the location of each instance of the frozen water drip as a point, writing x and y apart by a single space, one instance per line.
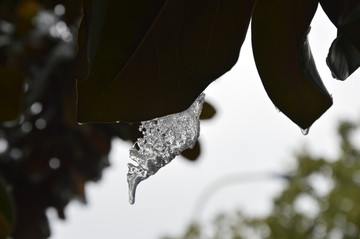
163 139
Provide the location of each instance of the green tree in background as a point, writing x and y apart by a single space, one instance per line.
320 200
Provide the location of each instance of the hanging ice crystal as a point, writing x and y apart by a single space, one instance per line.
163 139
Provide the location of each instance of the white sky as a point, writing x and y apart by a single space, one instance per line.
248 135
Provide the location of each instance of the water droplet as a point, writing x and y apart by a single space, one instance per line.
172 134
80 123
305 131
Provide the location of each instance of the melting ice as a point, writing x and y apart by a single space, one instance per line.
163 139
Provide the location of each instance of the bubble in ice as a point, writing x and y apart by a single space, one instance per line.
163 139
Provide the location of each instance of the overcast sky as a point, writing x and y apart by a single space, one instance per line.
247 137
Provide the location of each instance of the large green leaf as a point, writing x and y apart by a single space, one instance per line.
344 54
150 60
284 60
11 93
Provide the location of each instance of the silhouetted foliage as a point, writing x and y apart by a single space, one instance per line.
155 57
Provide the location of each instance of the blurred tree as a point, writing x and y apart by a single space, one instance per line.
46 157
319 201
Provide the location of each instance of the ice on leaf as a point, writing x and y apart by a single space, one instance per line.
163 139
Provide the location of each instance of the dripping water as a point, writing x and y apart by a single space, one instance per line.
305 131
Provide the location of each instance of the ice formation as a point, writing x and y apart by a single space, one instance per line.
163 139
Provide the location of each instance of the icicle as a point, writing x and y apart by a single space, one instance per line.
163 139
305 131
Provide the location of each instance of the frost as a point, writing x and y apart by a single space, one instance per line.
163 139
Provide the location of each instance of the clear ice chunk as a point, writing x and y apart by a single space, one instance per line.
163 139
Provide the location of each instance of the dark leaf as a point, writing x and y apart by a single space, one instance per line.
151 60
351 30
284 60
192 154
7 214
212 35
110 32
343 58
11 93
208 111
346 17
